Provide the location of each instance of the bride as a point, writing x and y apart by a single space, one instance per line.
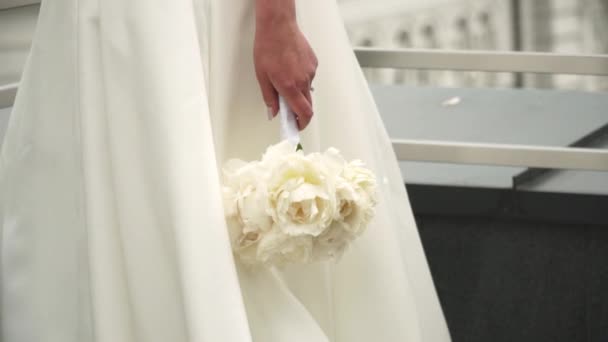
110 201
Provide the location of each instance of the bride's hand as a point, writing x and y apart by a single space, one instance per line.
284 61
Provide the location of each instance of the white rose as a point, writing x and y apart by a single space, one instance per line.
332 160
245 202
362 178
300 194
355 191
275 152
355 197
277 248
237 173
349 213
251 209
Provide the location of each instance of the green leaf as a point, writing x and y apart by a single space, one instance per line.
299 148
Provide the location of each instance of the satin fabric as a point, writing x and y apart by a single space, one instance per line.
111 212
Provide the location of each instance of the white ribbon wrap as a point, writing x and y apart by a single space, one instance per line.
289 125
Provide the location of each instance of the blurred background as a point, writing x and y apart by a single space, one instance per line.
517 253
560 26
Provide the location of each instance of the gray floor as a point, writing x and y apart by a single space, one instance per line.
505 116
519 281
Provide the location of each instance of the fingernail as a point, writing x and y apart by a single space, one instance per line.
270 113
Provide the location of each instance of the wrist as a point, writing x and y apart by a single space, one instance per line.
275 13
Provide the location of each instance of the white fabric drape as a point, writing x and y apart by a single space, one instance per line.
112 220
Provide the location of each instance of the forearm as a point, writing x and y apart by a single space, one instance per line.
273 13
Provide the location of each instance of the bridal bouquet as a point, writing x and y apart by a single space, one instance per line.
292 207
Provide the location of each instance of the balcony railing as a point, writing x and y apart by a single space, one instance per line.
492 154
476 153
532 62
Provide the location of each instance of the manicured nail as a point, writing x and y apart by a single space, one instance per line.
270 113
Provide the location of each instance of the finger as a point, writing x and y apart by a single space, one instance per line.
308 95
314 66
313 72
301 107
270 95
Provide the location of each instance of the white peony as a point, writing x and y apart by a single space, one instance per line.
350 207
362 178
355 189
275 153
251 208
245 203
357 198
301 197
277 248
296 208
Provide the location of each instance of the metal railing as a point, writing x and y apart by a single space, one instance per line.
533 62
492 154
476 153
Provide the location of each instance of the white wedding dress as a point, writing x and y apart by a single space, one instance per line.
111 212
